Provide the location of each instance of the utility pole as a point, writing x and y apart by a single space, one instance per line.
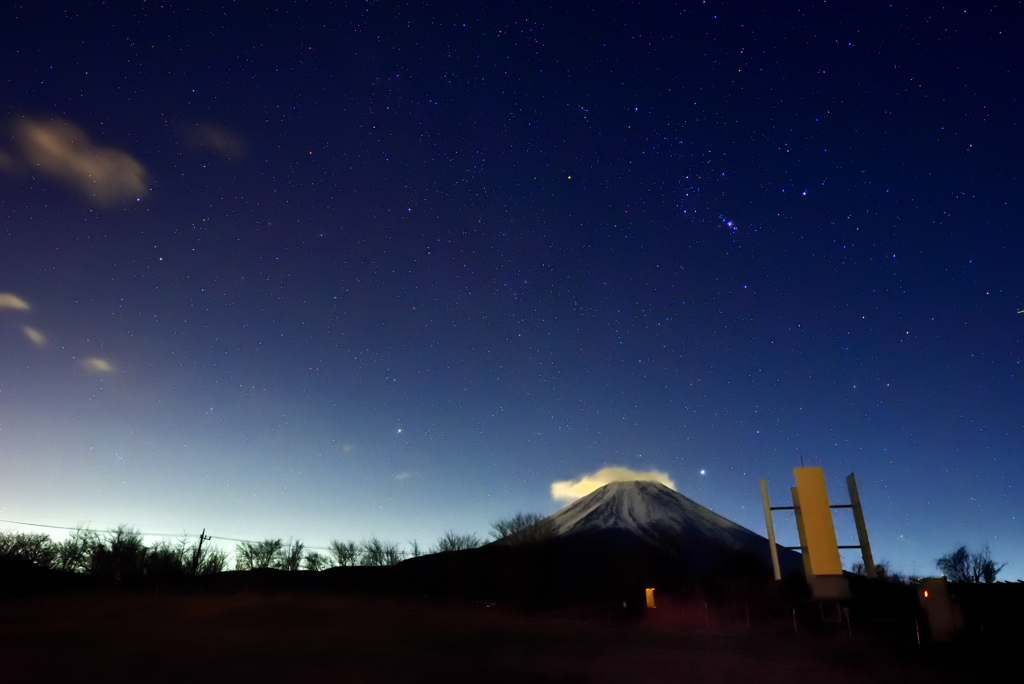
198 552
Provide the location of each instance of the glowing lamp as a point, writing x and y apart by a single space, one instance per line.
650 597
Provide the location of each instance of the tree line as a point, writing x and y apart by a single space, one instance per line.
119 554
961 565
122 554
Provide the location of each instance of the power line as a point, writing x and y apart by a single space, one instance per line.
52 527
60 527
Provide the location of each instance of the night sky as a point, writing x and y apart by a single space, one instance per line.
321 271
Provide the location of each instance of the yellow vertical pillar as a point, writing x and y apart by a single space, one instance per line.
800 532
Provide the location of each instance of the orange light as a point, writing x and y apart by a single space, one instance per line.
926 593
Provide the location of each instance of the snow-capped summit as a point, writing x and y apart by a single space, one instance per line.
656 515
648 509
609 545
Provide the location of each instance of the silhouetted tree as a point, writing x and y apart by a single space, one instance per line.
120 556
414 549
371 552
956 565
316 561
212 560
258 555
32 547
345 553
521 527
985 567
208 559
165 559
962 565
74 554
375 552
456 542
7 544
392 554
290 557
883 571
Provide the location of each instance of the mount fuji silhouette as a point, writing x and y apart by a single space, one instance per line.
649 514
621 537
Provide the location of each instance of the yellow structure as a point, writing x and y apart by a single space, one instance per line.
650 598
815 516
818 545
801 535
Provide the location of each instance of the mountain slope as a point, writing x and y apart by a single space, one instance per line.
608 546
648 509
653 514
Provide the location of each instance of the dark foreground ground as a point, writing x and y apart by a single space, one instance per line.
115 637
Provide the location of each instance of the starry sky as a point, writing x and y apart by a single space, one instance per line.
327 270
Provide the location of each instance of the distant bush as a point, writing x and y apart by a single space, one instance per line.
883 571
291 556
375 553
211 561
165 559
74 554
258 555
34 548
315 561
393 555
345 553
451 541
121 555
519 528
962 565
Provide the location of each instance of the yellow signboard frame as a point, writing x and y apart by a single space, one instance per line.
815 516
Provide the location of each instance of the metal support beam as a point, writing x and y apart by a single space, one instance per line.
771 529
800 531
862 529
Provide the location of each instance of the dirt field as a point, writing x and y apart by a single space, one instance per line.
295 638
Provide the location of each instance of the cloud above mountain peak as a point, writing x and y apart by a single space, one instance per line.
570 490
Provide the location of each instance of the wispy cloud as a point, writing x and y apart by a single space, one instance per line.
570 490
215 138
404 475
34 336
95 364
13 301
63 150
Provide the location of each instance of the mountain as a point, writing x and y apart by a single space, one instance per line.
653 515
612 542
646 509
